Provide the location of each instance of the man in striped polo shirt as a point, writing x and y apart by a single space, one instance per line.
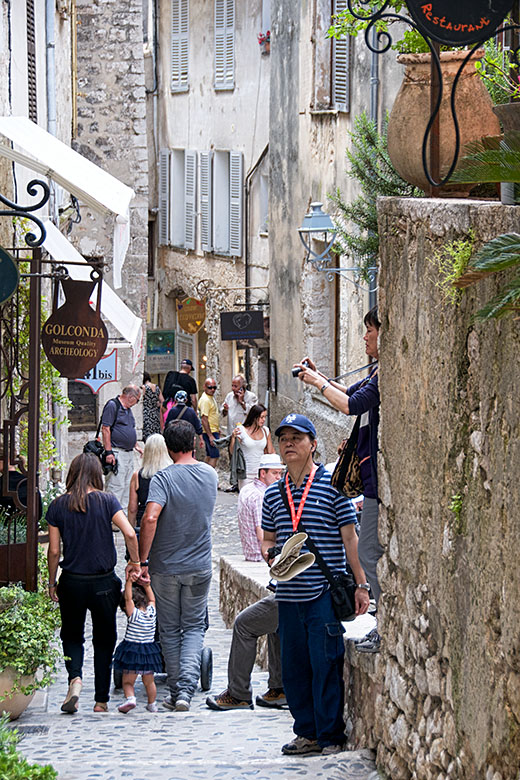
311 636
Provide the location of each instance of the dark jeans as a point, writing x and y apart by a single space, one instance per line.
312 646
99 594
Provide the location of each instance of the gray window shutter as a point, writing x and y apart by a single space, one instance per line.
164 197
190 191
224 44
235 203
340 87
205 202
180 45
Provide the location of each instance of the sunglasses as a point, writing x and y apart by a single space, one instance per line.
211 387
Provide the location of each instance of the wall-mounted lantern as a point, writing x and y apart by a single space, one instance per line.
318 226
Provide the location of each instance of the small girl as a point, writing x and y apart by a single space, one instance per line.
138 653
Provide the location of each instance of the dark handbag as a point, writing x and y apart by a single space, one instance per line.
346 477
342 585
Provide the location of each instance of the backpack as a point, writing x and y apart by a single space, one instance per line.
172 386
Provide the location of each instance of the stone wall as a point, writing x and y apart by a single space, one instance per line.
450 491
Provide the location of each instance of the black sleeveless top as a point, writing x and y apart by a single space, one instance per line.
142 496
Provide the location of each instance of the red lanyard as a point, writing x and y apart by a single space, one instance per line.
295 516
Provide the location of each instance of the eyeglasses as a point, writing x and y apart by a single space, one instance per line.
211 387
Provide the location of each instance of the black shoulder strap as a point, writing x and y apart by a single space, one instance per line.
118 406
310 544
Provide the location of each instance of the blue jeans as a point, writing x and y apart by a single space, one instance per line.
181 601
312 647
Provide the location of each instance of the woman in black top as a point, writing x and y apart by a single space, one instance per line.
82 520
155 458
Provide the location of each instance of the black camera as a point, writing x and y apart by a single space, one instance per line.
109 467
296 371
272 552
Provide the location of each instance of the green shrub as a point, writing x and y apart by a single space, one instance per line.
14 766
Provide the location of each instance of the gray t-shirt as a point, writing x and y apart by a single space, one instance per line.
182 541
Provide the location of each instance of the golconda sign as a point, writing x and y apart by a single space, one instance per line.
459 23
74 337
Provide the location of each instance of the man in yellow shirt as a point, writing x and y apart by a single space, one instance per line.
209 417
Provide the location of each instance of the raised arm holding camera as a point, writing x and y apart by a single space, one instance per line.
360 399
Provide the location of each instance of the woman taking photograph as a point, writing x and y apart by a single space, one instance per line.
155 458
82 520
255 440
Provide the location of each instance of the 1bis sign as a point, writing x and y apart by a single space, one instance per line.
459 23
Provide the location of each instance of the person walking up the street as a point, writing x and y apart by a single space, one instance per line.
176 537
361 399
120 441
181 380
181 411
138 653
209 417
82 520
311 636
152 402
155 458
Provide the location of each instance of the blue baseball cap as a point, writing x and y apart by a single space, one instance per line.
299 422
181 396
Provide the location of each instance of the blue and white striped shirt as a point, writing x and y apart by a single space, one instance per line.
141 625
325 512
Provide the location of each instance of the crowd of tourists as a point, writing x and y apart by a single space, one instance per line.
289 515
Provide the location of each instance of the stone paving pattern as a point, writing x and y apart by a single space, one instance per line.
242 745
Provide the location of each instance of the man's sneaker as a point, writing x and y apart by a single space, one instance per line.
274 697
371 635
182 704
301 746
224 701
331 750
372 644
169 703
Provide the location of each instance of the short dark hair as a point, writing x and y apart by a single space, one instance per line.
372 318
178 436
253 414
146 377
139 597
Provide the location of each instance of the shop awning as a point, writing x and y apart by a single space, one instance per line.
112 307
38 150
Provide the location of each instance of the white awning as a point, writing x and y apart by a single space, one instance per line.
112 307
42 152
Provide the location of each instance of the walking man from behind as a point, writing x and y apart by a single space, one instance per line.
311 636
175 550
120 441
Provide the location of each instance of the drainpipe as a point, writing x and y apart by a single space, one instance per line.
247 268
374 116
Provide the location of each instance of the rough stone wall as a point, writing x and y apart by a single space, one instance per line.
449 427
112 133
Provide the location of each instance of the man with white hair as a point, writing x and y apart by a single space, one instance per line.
250 506
120 441
237 403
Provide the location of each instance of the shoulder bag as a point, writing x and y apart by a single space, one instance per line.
346 477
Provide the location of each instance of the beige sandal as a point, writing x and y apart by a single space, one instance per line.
101 706
70 704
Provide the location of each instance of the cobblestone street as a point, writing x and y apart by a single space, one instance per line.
171 745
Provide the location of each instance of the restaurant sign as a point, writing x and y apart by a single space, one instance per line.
75 337
459 24
191 314
103 372
236 325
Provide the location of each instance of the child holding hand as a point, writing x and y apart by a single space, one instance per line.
138 653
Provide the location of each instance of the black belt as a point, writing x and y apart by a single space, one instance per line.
90 576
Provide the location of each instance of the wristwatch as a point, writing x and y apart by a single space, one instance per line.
363 585
145 563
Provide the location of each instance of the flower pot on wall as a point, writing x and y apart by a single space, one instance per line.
411 112
17 703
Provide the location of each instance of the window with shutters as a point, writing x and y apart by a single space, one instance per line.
180 46
31 62
183 190
224 44
227 189
331 62
164 197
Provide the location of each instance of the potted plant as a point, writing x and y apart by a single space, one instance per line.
28 657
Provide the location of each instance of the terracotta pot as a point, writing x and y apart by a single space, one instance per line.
509 115
411 113
18 703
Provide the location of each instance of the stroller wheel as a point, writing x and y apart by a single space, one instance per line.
206 668
118 678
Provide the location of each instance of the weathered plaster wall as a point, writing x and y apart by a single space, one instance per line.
450 614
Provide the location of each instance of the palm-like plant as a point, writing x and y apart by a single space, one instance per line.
498 254
494 159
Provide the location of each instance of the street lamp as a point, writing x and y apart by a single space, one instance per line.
319 226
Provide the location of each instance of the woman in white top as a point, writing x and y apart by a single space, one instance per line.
255 440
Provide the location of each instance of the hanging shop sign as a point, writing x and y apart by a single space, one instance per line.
160 351
236 325
103 372
9 276
75 337
459 24
191 314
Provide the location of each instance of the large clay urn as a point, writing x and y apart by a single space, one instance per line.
411 112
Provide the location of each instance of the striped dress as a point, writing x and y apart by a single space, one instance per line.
139 653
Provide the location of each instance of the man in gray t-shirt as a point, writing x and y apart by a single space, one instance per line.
176 536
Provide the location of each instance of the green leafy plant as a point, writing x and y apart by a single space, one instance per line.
493 159
456 506
14 766
370 165
499 72
28 622
496 255
451 261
